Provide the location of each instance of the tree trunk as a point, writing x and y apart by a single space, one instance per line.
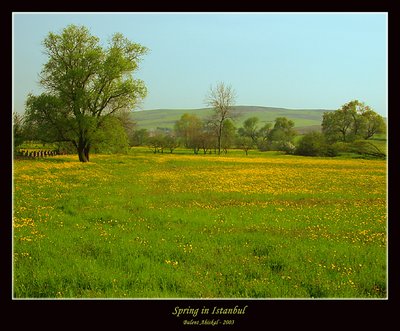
81 155
219 138
86 151
83 151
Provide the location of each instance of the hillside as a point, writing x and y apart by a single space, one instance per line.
165 118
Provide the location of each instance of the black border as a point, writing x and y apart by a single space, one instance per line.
155 314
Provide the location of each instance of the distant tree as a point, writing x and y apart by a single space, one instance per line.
250 129
171 142
207 139
189 129
139 137
156 142
283 133
84 84
245 143
18 130
264 137
228 135
160 140
354 120
221 99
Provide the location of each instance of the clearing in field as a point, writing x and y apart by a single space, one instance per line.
199 226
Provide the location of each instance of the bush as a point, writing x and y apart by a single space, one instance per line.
331 151
312 144
341 147
287 147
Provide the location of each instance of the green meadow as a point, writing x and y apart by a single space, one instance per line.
147 225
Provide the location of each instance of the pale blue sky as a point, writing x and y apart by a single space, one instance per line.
290 60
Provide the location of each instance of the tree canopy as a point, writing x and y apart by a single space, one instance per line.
354 120
84 83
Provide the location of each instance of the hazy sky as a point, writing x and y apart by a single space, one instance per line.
290 60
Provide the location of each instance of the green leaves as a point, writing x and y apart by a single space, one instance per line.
352 121
84 82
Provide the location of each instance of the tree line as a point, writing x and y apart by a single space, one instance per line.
204 136
90 91
347 129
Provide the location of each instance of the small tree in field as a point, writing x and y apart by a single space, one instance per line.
221 99
171 142
84 84
139 137
245 143
282 134
264 137
250 129
189 129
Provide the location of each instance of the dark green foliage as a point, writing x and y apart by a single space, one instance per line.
18 130
312 144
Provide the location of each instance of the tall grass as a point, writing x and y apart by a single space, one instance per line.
199 226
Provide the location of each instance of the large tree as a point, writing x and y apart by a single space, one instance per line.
352 121
221 99
84 83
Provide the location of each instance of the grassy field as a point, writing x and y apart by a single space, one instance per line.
150 225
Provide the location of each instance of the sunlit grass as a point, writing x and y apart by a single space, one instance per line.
166 225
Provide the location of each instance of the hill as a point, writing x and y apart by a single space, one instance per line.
304 119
